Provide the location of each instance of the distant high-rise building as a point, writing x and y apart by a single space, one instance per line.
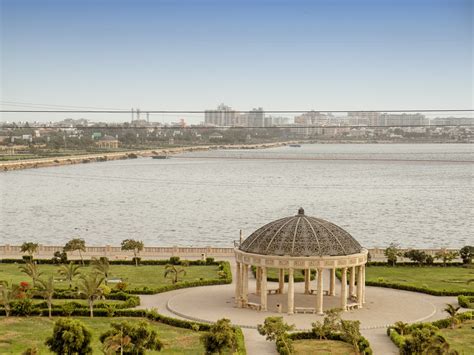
222 116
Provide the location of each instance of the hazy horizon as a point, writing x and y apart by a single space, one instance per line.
193 55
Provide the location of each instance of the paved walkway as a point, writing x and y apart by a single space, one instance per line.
384 307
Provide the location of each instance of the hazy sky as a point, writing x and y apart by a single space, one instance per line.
275 54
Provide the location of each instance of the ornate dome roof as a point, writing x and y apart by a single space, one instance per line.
301 235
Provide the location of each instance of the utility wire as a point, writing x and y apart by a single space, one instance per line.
236 111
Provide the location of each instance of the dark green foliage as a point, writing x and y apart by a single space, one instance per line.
70 337
275 329
417 256
23 307
76 244
392 253
467 253
174 260
141 337
60 257
220 338
30 248
466 301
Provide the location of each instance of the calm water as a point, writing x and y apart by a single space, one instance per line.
204 198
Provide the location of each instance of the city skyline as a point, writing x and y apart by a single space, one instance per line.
274 54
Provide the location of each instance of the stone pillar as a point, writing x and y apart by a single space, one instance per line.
332 282
363 283
291 292
245 283
307 278
344 289
263 289
238 284
359 286
258 277
281 280
352 282
319 296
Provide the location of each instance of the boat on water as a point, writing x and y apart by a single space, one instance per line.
295 145
160 157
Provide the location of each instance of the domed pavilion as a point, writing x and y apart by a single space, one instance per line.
301 243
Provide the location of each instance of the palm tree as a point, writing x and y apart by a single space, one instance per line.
32 270
452 311
116 342
76 244
8 294
102 267
89 286
439 346
401 327
172 272
46 290
69 272
30 248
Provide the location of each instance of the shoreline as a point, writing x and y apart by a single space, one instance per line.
145 153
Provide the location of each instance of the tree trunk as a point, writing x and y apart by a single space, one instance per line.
80 254
91 308
49 309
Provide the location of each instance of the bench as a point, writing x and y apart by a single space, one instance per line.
353 298
274 291
305 310
254 306
313 292
352 306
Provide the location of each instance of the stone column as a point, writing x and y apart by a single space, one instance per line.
344 289
263 289
319 296
281 280
359 286
352 282
238 284
307 278
291 292
245 283
332 282
258 277
363 283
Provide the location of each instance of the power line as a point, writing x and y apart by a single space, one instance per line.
236 111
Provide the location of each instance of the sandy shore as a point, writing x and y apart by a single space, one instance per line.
90 158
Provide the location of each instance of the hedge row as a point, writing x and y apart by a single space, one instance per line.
418 289
151 315
411 263
466 301
175 260
364 345
399 340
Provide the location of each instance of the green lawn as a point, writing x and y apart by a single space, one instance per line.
16 335
322 347
461 338
135 276
435 278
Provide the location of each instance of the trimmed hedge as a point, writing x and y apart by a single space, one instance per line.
173 260
466 301
364 345
399 340
240 341
411 263
151 315
418 289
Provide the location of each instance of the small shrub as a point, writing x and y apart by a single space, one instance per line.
23 307
121 286
174 260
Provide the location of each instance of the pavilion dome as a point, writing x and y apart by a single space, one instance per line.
301 235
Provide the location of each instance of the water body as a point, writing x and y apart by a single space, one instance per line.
415 195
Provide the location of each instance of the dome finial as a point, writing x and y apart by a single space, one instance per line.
301 211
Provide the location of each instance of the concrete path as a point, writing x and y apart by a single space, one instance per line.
384 307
